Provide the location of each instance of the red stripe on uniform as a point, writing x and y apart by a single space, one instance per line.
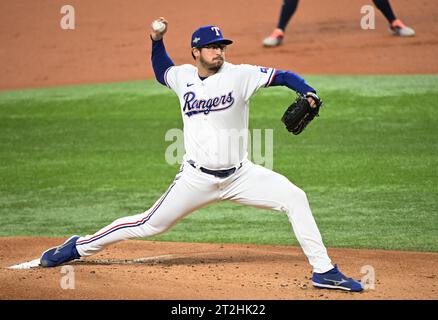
127 223
271 78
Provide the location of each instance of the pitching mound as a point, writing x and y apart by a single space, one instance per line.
169 270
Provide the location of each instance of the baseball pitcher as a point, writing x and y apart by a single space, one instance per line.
214 100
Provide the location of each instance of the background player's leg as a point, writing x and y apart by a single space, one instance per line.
257 186
189 191
396 26
288 9
385 7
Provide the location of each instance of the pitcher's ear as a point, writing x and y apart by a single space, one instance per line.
196 52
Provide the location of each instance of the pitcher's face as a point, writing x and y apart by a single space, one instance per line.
211 56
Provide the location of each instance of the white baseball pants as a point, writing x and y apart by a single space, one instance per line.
192 189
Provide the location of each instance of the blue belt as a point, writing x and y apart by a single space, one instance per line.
217 173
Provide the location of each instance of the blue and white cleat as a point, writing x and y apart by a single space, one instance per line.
335 280
58 255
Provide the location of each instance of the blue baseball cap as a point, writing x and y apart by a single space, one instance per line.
207 35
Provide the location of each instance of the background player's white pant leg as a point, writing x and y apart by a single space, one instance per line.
257 186
189 191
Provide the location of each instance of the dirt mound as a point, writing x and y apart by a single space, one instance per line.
169 270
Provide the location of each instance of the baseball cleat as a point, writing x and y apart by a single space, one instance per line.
335 280
58 255
275 39
398 28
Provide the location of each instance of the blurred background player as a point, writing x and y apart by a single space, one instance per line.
288 8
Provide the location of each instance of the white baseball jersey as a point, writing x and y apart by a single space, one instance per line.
215 111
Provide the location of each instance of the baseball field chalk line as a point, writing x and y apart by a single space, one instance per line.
26 265
36 262
148 260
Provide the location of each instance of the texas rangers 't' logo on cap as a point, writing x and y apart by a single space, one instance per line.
207 35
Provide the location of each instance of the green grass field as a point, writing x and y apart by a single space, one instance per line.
73 159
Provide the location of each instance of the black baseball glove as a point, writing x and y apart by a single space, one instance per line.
300 113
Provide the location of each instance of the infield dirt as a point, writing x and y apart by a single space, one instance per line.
111 42
166 270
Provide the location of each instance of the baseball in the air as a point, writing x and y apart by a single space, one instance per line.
158 26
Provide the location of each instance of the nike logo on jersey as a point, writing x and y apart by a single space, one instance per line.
190 84
193 106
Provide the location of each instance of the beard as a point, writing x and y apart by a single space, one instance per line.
212 66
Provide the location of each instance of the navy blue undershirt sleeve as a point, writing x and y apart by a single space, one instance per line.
160 60
292 81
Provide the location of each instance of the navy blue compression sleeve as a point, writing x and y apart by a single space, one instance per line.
160 60
292 81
